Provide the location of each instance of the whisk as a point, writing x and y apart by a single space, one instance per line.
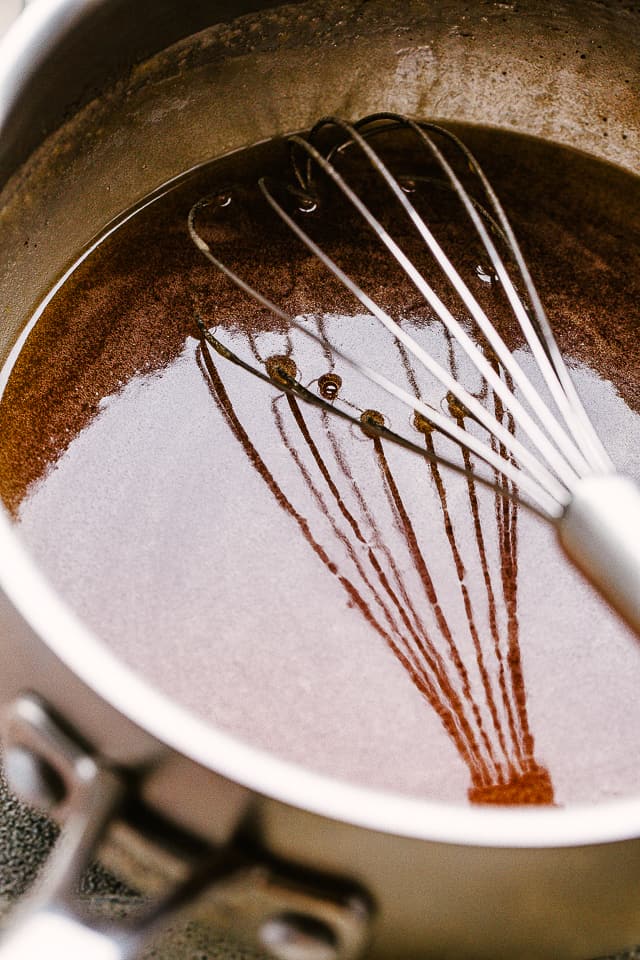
564 473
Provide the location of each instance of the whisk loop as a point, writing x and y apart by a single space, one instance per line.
566 473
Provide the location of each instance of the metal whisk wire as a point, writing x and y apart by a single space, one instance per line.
564 471
564 458
543 501
533 322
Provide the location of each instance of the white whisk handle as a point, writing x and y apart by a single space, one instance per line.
600 532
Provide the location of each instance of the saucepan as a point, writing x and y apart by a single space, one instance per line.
101 102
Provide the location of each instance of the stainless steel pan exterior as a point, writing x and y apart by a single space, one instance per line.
446 882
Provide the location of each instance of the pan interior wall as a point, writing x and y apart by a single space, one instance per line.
563 74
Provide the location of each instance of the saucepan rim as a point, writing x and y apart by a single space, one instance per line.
125 691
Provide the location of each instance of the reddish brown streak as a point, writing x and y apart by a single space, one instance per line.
532 783
424 666
429 588
509 571
420 680
468 606
516 735
460 570
425 646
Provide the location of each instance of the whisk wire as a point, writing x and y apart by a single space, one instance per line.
537 329
570 450
566 475
535 325
479 412
577 465
538 334
544 502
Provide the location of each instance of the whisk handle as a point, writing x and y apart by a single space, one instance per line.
600 532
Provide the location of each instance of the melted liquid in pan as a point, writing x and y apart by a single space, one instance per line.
323 594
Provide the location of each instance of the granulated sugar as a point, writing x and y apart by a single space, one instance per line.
320 593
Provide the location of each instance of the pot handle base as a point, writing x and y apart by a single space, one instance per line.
287 912
48 769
